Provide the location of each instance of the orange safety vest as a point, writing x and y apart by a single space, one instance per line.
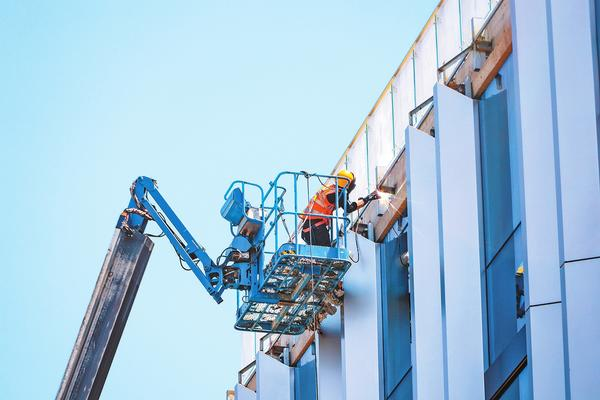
320 205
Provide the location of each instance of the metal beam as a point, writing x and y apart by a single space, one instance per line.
106 316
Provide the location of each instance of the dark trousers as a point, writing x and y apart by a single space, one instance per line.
317 235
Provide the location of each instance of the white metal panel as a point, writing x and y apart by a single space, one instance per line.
371 139
250 343
381 138
539 196
243 393
425 273
540 203
440 42
576 126
274 380
545 342
403 89
472 9
448 28
582 308
361 344
329 358
426 64
461 242
357 162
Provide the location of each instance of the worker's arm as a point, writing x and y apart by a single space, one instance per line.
360 203
350 206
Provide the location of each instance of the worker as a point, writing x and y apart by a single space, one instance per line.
316 229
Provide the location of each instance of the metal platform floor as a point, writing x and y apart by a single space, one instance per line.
302 277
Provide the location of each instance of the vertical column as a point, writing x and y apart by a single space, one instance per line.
576 128
243 393
361 328
581 308
329 358
273 379
576 136
425 274
461 243
539 198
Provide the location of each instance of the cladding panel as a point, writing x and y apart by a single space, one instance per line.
581 308
329 357
274 380
425 273
361 344
457 151
576 127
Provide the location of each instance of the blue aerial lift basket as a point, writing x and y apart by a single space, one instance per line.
284 295
302 277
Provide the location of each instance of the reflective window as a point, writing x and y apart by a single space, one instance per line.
505 295
396 318
597 6
404 389
305 376
500 189
520 388
495 169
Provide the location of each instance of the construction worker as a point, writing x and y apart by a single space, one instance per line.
315 229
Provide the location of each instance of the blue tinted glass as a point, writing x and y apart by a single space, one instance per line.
396 313
500 188
403 390
496 172
598 35
519 388
305 377
505 295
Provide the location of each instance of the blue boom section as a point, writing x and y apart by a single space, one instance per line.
288 293
140 210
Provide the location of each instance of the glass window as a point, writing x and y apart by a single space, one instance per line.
404 389
505 300
597 7
498 216
500 189
520 388
396 314
305 377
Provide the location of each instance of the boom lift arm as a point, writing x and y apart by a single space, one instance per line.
141 210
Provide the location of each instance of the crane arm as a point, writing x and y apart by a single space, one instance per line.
141 210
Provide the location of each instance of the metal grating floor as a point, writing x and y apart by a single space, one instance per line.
302 280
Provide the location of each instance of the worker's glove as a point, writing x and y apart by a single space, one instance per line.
371 197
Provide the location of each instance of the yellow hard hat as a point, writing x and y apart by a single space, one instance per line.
345 174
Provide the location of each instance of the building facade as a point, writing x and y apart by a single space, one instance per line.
486 140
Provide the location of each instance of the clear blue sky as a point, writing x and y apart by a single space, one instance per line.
194 94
